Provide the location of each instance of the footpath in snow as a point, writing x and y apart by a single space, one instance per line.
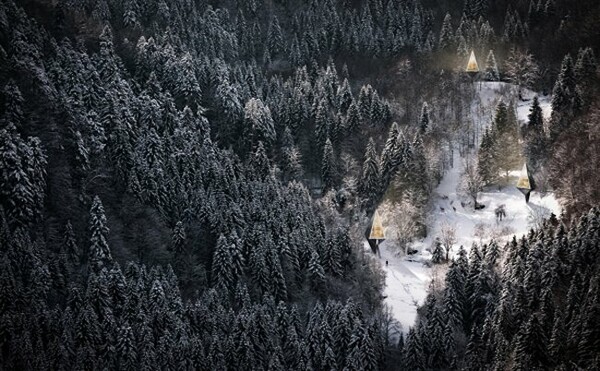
407 278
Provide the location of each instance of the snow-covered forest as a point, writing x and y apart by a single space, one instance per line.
191 185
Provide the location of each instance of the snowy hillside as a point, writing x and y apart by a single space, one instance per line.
407 281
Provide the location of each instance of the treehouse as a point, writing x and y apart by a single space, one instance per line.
525 184
377 233
472 66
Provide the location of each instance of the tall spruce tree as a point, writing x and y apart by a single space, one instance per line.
99 252
491 68
371 179
328 167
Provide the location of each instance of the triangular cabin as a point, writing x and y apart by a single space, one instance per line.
472 66
377 232
525 184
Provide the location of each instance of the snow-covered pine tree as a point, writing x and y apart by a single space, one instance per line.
585 68
371 177
488 168
446 41
391 156
424 120
259 123
99 252
536 142
491 68
353 119
508 149
275 41
221 265
521 69
437 253
328 167
316 273
564 98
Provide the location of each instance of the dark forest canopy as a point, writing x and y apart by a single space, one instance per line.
185 184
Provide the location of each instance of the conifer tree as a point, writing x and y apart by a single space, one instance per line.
370 179
508 150
585 69
424 121
536 136
344 97
328 167
316 272
391 156
99 253
275 38
221 266
491 68
353 119
259 123
70 245
437 253
260 162
488 168
564 98
446 41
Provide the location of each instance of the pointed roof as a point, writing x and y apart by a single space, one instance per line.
472 66
525 183
377 232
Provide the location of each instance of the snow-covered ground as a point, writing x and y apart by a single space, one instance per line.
407 281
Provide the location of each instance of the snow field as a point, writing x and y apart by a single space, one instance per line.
407 278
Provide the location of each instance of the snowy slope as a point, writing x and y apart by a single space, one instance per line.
407 281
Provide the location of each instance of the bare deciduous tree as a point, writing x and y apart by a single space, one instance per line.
402 221
471 181
448 237
480 231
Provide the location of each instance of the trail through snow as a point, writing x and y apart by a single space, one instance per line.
407 278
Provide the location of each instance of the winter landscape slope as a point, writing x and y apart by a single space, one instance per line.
407 278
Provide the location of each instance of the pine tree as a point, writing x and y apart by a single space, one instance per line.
99 253
508 150
70 245
536 136
126 348
491 68
353 119
564 96
178 239
370 179
488 169
585 69
437 253
328 167
332 257
260 163
462 50
454 296
107 61
413 352
13 105
323 124
316 272
260 123
424 121
221 265
344 97
391 156
365 101
446 42
275 38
